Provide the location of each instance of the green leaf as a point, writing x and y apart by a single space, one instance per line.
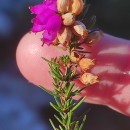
74 92
69 118
47 91
69 89
58 103
63 117
55 86
78 103
91 22
50 62
68 73
55 107
85 1
61 128
83 51
64 59
60 121
79 91
68 103
76 76
55 73
85 11
53 126
84 119
46 60
76 125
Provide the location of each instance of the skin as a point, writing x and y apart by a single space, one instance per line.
112 66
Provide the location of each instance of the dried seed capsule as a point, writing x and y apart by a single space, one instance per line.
79 29
63 5
64 35
77 6
86 63
68 19
88 78
74 57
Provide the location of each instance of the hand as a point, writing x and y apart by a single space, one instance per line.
112 57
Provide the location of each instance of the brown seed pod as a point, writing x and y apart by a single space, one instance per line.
63 6
79 29
64 35
74 57
86 63
68 19
88 78
76 6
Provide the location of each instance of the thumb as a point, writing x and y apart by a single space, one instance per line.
112 67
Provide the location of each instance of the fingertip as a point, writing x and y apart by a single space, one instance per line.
29 55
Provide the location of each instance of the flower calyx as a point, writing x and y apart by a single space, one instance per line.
86 63
68 19
76 6
75 57
79 29
88 78
63 6
64 35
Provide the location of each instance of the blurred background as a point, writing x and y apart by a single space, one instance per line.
23 105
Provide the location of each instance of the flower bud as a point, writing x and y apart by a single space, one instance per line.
63 5
64 35
88 78
74 57
79 29
85 63
77 6
68 19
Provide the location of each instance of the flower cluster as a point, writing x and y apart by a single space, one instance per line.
62 24
46 20
57 19
84 64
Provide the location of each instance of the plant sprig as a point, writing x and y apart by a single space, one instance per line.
73 30
63 93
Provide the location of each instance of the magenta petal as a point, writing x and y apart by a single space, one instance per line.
37 28
37 9
46 20
44 16
51 4
54 23
48 37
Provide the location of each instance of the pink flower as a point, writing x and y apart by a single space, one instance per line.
46 20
